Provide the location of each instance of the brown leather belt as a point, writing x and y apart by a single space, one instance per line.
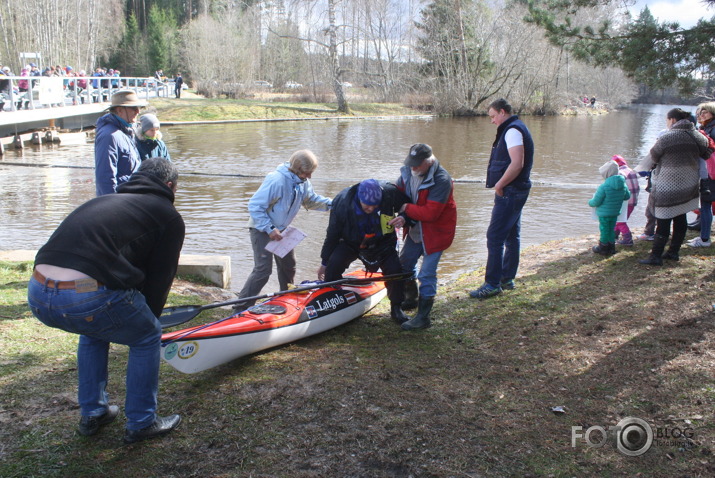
80 285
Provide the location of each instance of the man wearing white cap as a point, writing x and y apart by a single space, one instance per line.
115 153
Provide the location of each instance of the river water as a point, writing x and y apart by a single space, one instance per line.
222 165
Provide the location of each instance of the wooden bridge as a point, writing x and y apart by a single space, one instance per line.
49 105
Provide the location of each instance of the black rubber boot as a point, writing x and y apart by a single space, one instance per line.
603 248
655 258
241 306
673 250
411 295
612 248
671 256
397 315
421 320
652 260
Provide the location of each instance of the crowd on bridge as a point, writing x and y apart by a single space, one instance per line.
75 83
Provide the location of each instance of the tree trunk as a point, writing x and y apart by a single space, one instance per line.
334 61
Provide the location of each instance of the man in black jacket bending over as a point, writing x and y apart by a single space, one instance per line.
105 274
358 229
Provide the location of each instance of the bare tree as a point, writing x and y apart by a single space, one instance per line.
387 24
221 53
476 52
329 45
62 31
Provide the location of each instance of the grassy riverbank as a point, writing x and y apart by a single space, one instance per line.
606 338
269 106
201 109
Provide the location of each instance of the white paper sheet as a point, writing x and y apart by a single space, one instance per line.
291 238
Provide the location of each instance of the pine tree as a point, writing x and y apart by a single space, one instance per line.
161 30
656 54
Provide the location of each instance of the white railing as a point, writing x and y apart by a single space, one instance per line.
53 91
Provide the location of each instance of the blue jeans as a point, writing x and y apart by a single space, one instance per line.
503 240
101 317
706 217
427 275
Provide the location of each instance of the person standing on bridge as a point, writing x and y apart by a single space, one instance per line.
5 86
178 84
116 155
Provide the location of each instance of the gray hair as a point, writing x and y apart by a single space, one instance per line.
160 167
303 161
709 106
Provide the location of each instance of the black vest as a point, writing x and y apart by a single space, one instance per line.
499 160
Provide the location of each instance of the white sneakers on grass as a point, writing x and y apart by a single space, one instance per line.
698 242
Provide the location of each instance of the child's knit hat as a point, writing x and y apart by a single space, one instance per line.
610 168
619 160
149 121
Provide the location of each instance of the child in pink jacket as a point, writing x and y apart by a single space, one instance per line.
634 188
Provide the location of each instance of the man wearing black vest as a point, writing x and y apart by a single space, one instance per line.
508 172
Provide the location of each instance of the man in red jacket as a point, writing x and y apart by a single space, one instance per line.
430 224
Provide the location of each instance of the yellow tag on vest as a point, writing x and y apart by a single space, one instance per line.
386 228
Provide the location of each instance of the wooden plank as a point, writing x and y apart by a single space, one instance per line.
48 114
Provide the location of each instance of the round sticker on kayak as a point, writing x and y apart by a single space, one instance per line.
188 350
170 351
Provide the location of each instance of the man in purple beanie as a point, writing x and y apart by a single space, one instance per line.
356 230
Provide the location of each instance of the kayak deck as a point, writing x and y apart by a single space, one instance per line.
280 320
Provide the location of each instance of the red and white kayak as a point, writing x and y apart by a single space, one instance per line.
281 320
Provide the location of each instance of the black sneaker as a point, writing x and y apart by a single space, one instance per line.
160 427
485 291
508 284
89 426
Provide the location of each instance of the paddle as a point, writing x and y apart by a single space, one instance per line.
172 316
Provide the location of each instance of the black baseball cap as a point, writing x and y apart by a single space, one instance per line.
418 153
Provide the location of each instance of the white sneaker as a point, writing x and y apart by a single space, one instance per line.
698 242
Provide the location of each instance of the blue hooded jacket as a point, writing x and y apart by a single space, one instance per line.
115 154
278 200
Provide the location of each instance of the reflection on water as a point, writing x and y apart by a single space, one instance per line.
222 165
